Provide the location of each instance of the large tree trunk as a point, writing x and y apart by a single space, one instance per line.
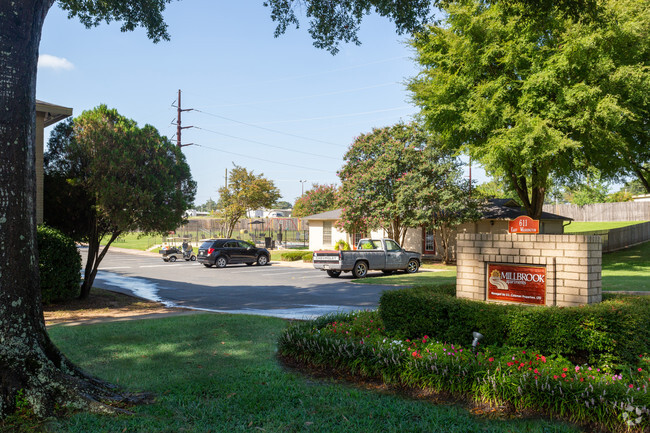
29 362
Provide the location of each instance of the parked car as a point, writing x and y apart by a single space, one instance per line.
221 252
371 254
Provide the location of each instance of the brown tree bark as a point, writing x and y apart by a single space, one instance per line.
30 365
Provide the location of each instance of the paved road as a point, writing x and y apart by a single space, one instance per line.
280 289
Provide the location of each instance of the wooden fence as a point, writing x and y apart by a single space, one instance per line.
626 211
623 237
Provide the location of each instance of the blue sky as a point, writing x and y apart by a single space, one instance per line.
277 106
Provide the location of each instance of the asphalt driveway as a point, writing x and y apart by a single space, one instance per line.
281 289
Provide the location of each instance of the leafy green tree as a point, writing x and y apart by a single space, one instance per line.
282 205
136 179
531 100
396 178
245 191
440 197
209 206
320 198
588 190
333 22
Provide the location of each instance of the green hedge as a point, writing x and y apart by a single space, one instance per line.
612 332
59 264
294 256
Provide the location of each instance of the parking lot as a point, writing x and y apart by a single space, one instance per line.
290 290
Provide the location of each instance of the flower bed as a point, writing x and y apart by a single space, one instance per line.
528 380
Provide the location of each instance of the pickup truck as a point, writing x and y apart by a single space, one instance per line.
371 254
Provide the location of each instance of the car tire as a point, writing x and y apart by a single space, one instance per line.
221 262
262 260
193 259
208 265
412 267
172 259
334 274
360 270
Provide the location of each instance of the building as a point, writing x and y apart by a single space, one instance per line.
46 115
496 214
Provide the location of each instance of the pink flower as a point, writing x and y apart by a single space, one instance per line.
631 386
640 369
577 368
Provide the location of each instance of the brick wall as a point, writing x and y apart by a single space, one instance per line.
573 264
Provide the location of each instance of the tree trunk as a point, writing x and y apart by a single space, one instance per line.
95 256
31 367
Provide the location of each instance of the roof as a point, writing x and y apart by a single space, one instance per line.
508 209
53 113
494 209
329 215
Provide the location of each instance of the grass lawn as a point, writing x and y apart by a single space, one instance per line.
628 269
218 373
578 227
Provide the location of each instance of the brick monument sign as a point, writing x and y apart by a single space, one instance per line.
561 270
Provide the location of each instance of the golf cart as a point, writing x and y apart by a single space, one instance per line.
171 252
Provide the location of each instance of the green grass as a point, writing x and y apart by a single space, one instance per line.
579 227
134 241
628 269
218 373
419 279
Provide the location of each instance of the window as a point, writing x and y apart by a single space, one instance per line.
392 246
357 237
327 232
429 240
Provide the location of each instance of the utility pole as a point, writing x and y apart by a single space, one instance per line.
302 186
180 128
226 184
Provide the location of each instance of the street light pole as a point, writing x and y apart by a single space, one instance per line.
302 186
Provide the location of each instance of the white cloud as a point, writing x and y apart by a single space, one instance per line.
53 62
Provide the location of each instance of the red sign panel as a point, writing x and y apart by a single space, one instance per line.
516 283
523 224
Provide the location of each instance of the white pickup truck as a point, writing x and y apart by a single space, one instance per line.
371 254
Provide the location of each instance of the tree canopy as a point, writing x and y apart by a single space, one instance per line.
121 178
331 23
245 191
395 178
531 100
320 198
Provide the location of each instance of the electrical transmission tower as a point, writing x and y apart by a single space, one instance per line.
180 128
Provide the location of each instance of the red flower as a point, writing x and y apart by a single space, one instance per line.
563 375
491 359
565 369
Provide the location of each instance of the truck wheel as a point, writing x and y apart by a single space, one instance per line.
360 270
172 259
412 266
334 274
221 262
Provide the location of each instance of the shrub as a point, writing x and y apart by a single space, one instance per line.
341 245
59 265
612 332
292 256
309 257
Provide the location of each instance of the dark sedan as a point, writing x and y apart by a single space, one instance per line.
221 252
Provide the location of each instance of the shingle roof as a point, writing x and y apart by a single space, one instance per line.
508 209
329 215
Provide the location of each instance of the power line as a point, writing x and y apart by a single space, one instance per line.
266 144
300 98
339 116
268 129
262 159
